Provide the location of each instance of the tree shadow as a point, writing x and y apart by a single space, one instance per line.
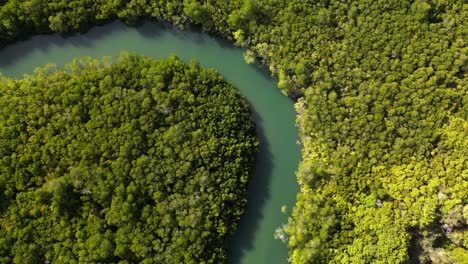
44 43
258 193
152 29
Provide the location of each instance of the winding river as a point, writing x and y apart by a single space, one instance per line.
274 183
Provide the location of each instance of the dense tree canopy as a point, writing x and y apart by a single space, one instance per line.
130 161
382 103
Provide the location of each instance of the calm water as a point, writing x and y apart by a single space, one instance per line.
274 183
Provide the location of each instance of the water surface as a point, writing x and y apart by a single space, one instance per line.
274 183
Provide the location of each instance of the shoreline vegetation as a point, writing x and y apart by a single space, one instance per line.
126 160
382 90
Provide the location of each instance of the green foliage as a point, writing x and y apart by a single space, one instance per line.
197 12
383 124
135 161
382 108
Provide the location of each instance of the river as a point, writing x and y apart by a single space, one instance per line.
274 183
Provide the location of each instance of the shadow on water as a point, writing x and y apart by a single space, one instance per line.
151 29
258 193
10 53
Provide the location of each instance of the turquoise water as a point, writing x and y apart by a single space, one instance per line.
274 183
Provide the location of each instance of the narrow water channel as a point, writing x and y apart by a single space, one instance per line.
274 183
